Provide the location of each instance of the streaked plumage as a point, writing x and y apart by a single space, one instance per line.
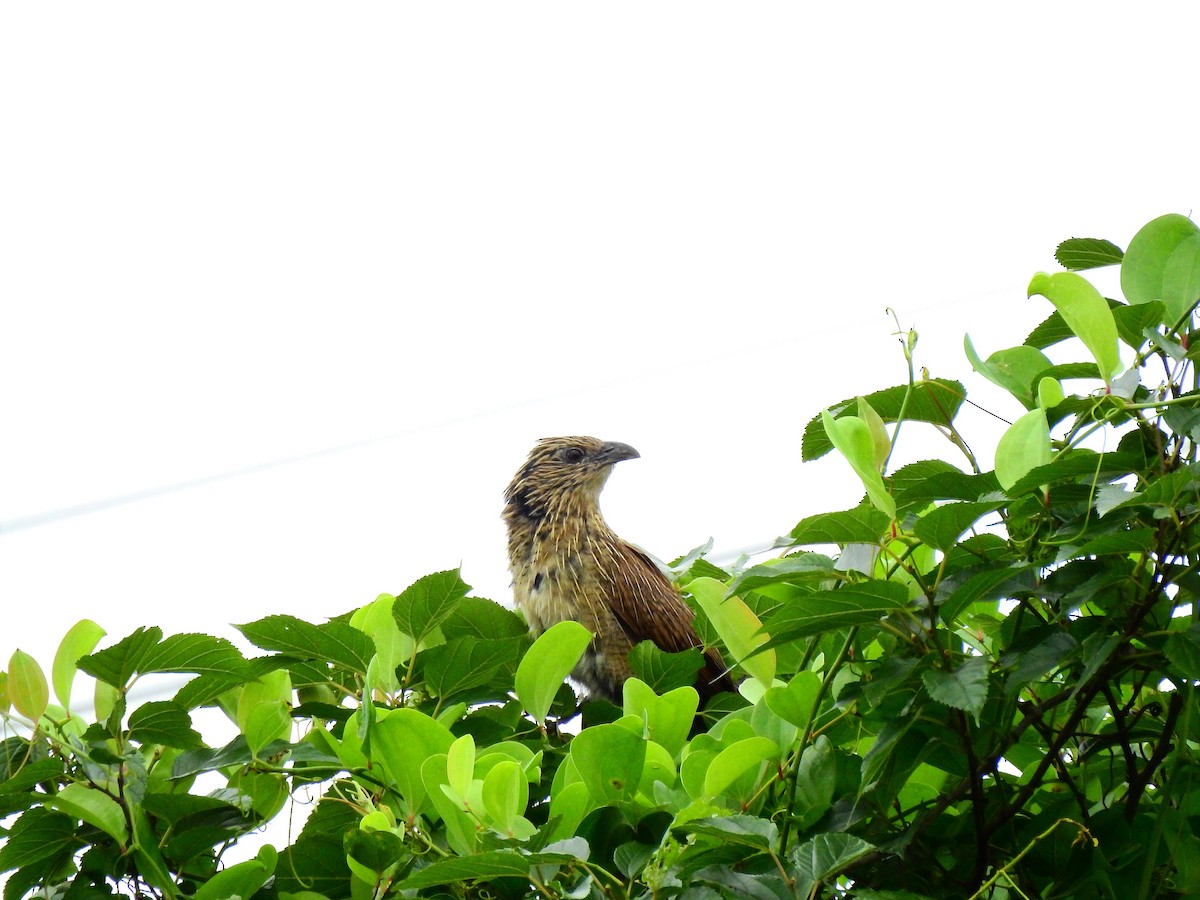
567 563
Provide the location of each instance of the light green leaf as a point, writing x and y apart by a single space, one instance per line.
794 703
94 807
547 664
505 794
241 880
460 765
264 711
1086 313
401 742
738 627
732 762
27 688
1023 447
77 643
879 435
1049 393
428 601
668 718
1013 369
852 438
1163 263
609 759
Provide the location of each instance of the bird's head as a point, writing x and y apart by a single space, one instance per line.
562 474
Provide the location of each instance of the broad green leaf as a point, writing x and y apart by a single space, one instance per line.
335 642
1013 369
861 525
485 866
958 592
27 688
484 619
794 703
852 604
547 664
467 662
1132 321
428 601
117 664
734 761
1022 448
1049 393
962 688
1086 313
934 400
264 710
801 569
821 859
738 626
402 742
942 526
241 880
609 759
39 834
668 718
94 807
1087 253
1183 650
665 671
393 648
1163 263
505 795
375 851
852 438
462 828
163 722
81 640
746 831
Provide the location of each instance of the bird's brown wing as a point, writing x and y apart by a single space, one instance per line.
649 607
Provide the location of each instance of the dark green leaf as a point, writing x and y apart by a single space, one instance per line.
822 858
1132 321
375 850
749 831
1134 540
1078 254
1183 650
852 604
38 835
32 773
1055 651
193 762
1080 466
1067 372
483 867
936 401
428 601
941 527
664 671
334 641
117 664
163 722
199 653
481 618
465 663
917 484
963 688
960 590
205 689
863 524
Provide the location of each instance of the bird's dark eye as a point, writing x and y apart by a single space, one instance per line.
571 454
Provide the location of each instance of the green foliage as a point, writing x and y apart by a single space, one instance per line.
972 684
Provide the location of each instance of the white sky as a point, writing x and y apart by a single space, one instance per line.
421 236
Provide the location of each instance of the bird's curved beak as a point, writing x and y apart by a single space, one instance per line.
614 452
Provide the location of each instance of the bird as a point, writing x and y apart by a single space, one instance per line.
567 563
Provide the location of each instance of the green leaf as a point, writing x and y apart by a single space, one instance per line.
486 866
39 834
668 717
1132 321
264 710
958 592
547 664
861 525
428 601
745 831
1183 650
376 851
1087 253
467 662
81 640
935 400
334 642
117 664
401 742
734 761
93 807
800 568
963 688
738 626
241 880
27 688
794 703
941 527
1163 263
505 794
864 603
1022 448
664 671
1013 369
609 759
1085 312
852 437
822 858
163 722
484 619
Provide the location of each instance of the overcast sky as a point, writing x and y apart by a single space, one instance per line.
303 282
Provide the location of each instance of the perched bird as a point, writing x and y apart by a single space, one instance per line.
567 563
